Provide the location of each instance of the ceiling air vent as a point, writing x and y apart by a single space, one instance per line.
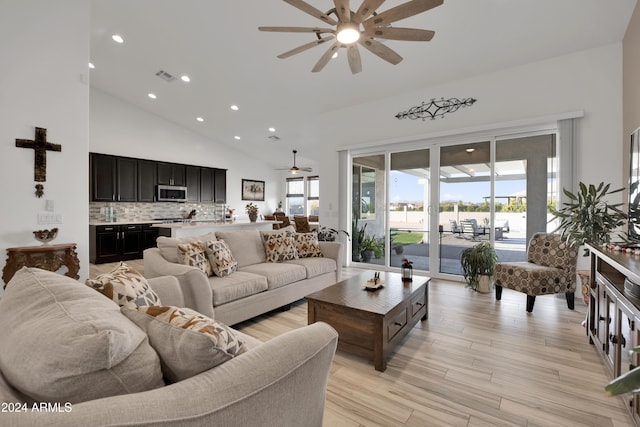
274 138
165 76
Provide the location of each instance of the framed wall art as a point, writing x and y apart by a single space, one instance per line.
252 190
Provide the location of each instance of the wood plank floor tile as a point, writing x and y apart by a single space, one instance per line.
474 362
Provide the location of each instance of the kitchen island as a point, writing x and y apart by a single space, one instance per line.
198 228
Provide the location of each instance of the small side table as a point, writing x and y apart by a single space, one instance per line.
47 257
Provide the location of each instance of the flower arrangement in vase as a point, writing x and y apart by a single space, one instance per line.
252 211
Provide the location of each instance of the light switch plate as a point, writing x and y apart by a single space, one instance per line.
49 218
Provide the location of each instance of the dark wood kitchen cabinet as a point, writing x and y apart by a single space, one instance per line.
220 184
125 179
147 180
172 174
112 243
149 236
193 183
207 185
213 185
113 179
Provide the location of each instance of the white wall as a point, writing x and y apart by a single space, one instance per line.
122 129
590 81
44 48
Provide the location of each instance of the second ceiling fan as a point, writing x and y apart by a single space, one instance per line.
295 169
362 27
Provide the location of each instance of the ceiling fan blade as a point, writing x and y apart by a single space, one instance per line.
324 59
307 8
365 10
405 10
297 30
381 50
304 47
353 55
393 33
343 11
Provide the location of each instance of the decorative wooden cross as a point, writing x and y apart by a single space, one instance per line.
41 146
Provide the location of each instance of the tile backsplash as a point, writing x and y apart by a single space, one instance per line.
150 211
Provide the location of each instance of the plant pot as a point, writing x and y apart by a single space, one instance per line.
253 217
484 284
366 256
399 250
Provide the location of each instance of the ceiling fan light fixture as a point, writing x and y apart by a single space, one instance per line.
348 33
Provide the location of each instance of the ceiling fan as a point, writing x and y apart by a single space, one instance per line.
295 169
363 26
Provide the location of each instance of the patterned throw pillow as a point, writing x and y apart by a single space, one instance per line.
307 245
279 246
195 255
186 341
125 286
222 261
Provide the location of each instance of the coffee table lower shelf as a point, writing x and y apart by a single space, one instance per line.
371 323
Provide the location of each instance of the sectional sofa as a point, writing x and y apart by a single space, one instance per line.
269 274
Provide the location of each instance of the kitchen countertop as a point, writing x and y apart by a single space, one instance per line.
208 224
149 221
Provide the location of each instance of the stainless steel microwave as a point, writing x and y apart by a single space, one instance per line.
171 193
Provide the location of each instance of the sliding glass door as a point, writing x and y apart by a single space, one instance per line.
428 204
408 208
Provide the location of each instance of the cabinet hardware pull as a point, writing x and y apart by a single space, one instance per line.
397 323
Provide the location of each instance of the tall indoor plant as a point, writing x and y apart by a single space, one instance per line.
588 217
478 263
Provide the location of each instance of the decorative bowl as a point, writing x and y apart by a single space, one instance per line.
45 236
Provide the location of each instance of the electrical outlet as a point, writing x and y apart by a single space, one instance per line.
49 218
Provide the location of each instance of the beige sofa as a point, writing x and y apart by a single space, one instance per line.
256 287
58 339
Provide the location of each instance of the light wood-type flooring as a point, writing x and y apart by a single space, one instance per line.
473 362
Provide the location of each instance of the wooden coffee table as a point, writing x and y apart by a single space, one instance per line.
371 323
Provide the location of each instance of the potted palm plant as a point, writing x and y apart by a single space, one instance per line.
588 217
478 263
326 234
370 247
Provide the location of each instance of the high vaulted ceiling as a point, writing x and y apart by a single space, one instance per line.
218 45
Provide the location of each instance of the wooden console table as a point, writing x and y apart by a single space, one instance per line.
47 257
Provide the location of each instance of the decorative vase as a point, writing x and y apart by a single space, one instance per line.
253 217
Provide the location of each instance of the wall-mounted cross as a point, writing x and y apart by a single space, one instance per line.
41 146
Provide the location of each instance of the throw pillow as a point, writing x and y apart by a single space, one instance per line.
222 261
279 246
64 342
195 255
307 245
186 341
124 286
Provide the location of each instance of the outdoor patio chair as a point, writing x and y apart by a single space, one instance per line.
550 269
470 229
455 228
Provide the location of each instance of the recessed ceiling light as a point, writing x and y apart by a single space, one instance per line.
200 119
470 150
236 137
185 78
152 95
235 107
335 55
91 65
117 38
272 129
